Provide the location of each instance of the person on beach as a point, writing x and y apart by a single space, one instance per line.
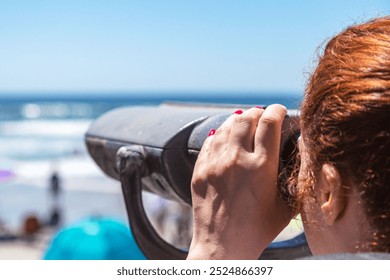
55 191
342 182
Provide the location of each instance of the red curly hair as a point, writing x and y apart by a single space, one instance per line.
345 118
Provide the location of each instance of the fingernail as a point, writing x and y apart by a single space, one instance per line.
238 112
259 107
212 132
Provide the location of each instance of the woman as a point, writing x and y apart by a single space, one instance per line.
342 189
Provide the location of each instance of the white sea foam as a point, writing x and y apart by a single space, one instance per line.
56 110
44 128
34 149
42 139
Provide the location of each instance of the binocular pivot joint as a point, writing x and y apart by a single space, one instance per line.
130 163
130 160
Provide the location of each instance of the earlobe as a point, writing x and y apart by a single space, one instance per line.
332 194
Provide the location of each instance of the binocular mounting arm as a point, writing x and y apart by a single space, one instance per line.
131 166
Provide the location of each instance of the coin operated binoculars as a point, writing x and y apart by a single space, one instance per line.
154 148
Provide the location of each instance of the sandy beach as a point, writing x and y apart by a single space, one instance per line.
82 195
85 192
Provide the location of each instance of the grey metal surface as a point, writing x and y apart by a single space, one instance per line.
172 136
149 126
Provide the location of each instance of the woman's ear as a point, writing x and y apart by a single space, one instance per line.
332 194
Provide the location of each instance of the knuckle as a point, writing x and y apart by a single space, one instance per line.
207 173
198 176
264 161
253 162
241 119
270 120
234 160
246 120
243 162
196 181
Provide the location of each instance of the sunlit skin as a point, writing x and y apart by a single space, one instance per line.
342 182
332 214
237 209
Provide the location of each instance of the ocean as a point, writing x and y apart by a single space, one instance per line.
52 127
43 134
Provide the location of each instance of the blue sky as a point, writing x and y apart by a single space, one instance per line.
170 45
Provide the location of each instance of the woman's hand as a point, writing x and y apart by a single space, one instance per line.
237 208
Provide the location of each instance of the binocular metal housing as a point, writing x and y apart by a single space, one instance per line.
154 148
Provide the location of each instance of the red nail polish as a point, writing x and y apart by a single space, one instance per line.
238 112
259 107
212 132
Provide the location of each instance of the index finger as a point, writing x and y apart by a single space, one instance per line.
268 132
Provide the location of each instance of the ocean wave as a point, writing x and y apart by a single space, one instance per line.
47 128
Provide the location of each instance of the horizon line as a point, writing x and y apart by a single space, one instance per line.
149 92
